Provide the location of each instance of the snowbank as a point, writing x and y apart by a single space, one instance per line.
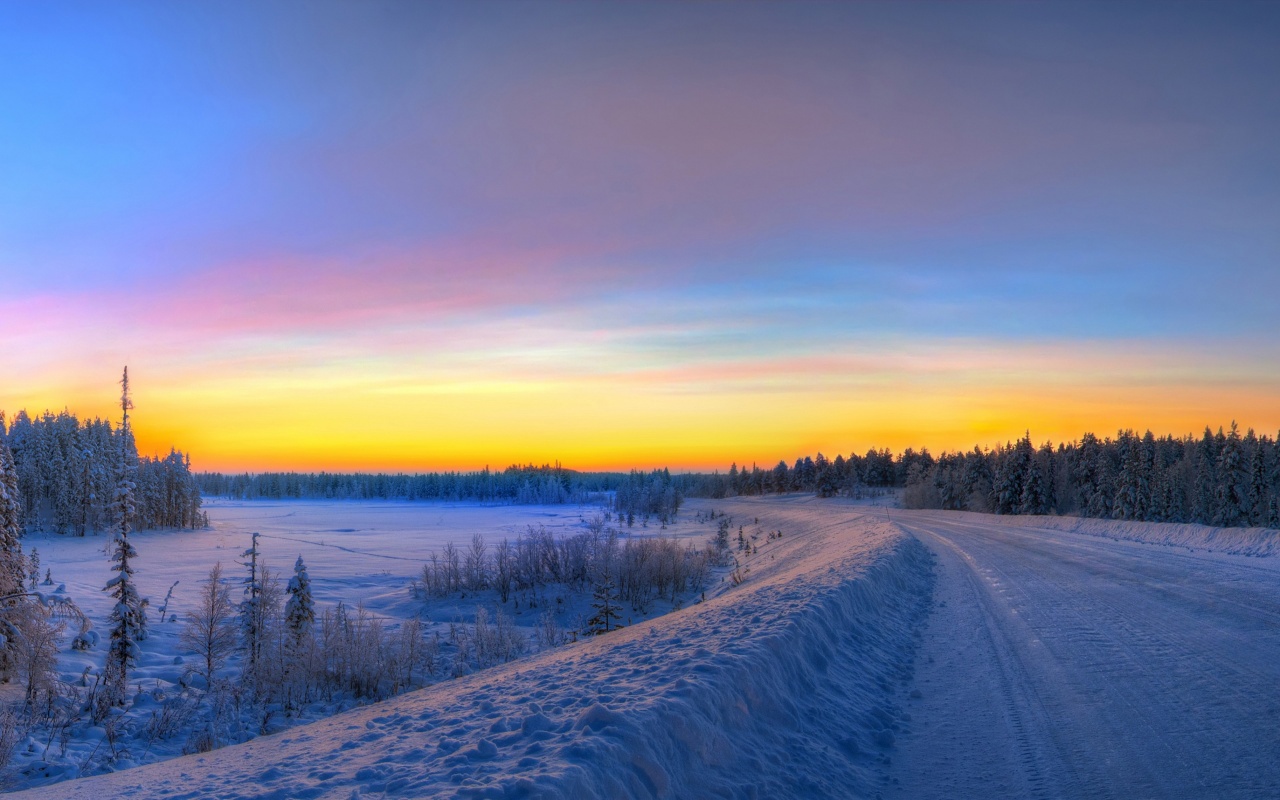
780 687
1236 541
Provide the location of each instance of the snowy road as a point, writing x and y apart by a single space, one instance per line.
1062 665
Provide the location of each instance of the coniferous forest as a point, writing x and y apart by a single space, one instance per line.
635 495
1223 479
515 484
64 472
66 482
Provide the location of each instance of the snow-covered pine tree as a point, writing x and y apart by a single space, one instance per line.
251 622
298 665
1010 475
86 494
1128 503
605 602
127 621
1033 499
33 568
11 560
978 482
1259 491
300 609
720 544
781 479
1206 477
1104 480
1231 494
1036 491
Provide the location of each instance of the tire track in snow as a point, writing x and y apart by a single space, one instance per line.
1044 772
1157 667
351 550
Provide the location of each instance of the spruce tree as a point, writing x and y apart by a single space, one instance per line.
1128 502
300 609
251 612
127 621
1010 476
1231 494
605 603
1259 491
1033 499
11 560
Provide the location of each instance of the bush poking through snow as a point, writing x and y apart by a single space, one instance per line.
210 630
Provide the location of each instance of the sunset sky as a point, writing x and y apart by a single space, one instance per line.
410 236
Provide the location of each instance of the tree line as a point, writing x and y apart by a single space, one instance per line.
526 484
1222 478
66 476
877 471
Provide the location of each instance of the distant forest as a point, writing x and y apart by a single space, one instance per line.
637 496
1220 479
64 480
65 476
1223 479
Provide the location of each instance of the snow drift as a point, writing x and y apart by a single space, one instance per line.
1235 541
780 687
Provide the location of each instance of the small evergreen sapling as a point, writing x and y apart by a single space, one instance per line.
605 602
300 608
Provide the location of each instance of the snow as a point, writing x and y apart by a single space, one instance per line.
1237 541
783 685
364 553
1104 665
867 652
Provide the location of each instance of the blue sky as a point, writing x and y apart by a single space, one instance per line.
521 205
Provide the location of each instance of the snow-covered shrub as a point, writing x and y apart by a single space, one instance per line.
549 633
210 631
495 642
35 652
476 575
174 716
10 734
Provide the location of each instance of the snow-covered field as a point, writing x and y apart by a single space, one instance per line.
354 551
783 685
365 554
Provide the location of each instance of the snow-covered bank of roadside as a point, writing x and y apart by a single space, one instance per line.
1236 541
780 687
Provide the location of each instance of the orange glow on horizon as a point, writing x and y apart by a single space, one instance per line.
597 428
279 415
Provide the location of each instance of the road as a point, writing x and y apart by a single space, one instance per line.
1061 665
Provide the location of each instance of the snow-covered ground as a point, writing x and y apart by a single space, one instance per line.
354 550
1061 665
867 652
358 553
783 685
1205 538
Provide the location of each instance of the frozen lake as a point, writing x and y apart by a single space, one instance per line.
355 551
